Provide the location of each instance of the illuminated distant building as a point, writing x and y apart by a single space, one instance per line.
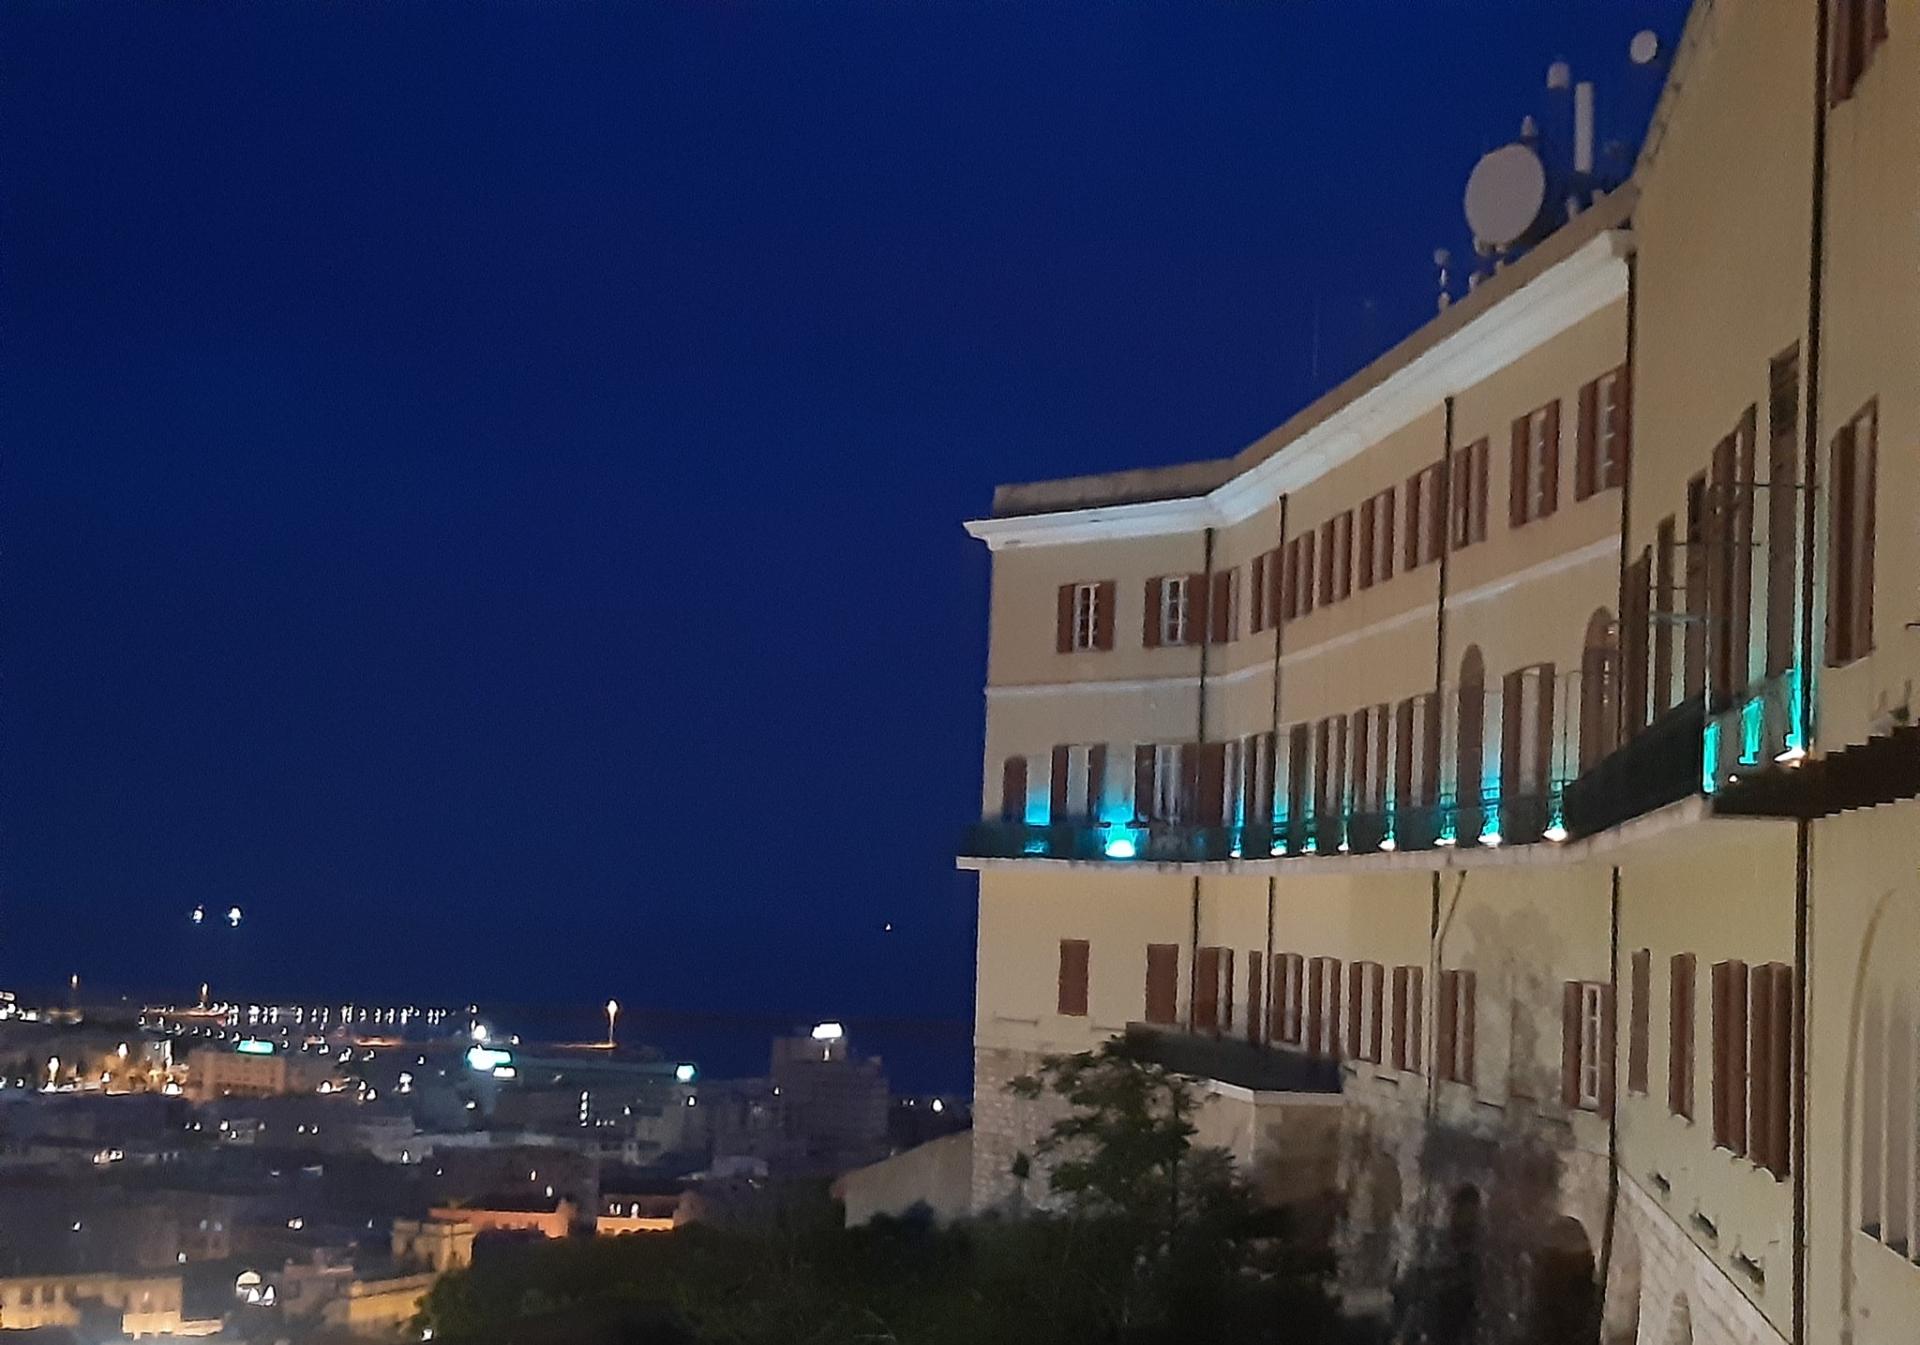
252 1068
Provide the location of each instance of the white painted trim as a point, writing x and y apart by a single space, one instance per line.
1607 548
1573 289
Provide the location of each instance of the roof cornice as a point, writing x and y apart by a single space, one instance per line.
1569 290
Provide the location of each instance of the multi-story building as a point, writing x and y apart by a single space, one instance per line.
1519 732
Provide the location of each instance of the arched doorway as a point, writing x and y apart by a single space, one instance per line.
1470 734
1599 693
1563 1299
1454 1305
1620 1317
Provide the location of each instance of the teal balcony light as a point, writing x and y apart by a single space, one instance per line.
1121 845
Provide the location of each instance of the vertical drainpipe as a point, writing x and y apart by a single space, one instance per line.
1200 737
1619 735
1809 516
1430 1009
1273 882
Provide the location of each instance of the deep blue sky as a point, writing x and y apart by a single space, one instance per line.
481 483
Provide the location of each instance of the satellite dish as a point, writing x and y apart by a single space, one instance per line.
1644 47
1505 194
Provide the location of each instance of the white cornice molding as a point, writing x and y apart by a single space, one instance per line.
1575 288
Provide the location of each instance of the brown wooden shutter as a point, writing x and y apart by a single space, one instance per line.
1586 441
1680 1017
1518 507
1197 608
1400 1018
1103 599
1843 58
1276 1005
1013 789
1256 1020
1780 1094
1096 780
1445 1024
1376 993
1257 594
1867 468
1073 978
1220 613
1210 796
1150 623
1469 1021
1356 1009
1307 573
1316 979
1721 1020
1206 990
1163 982
1059 779
1615 467
1730 1055
1641 978
1143 782
1417 1006
1226 989
1570 1044
1411 559
1512 698
1386 513
1367 547
1480 488
1063 622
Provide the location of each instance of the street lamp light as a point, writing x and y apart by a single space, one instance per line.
613 1012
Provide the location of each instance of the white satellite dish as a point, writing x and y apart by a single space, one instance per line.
1505 194
1644 47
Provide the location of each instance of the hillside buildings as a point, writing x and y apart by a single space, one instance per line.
1523 732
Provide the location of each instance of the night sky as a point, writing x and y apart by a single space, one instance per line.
482 483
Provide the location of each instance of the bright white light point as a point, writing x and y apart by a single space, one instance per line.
233 916
1389 845
1120 847
938 1105
1555 833
684 1073
828 1032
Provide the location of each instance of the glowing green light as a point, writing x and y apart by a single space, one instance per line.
252 1047
1121 847
1752 730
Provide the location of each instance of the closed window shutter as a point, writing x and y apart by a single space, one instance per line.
1550 462
1680 1010
1368 546
1257 594
1468 1022
1730 1055
1586 442
1096 780
1760 1060
1637 1016
1400 1018
1226 989
1013 789
1206 990
1570 1044
1221 611
1780 1092
1417 1009
1163 980
1316 1004
1866 469
1059 781
1446 1022
1073 978
1103 615
1517 475
1255 1018
1150 624
1480 488
1306 575
1143 782
1063 622
1385 513
1411 560
1842 41
1356 1016
1197 608
1376 992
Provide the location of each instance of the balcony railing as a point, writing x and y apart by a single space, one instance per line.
1384 779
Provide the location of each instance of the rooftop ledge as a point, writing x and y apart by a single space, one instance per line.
1571 274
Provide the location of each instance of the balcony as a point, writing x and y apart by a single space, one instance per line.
1389 777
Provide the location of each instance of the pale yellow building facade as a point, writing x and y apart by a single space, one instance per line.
1519 740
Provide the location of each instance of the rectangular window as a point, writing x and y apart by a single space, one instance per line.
1467 495
1680 1015
1526 734
1641 978
1374 548
1084 619
1163 983
1222 610
1770 1067
1408 1002
1300 577
1366 1011
1850 530
1534 465
1454 1046
1426 520
1168 607
1586 1050
1730 1055
1072 1001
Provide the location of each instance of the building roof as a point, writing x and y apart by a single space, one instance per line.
1482 312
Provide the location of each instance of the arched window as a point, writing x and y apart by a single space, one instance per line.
1470 725
1599 689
